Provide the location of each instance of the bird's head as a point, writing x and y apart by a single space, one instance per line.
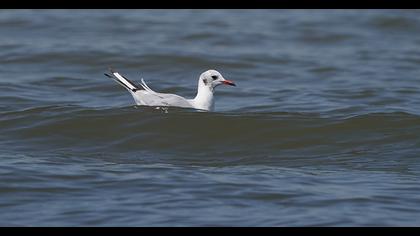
213 78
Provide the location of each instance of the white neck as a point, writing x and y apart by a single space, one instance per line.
204 99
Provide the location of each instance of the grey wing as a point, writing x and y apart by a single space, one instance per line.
150 98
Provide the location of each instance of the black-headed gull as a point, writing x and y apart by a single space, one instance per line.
143 95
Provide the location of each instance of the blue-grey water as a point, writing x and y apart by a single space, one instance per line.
323 128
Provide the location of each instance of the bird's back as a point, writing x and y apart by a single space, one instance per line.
147 98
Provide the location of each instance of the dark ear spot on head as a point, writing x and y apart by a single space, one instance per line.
205 81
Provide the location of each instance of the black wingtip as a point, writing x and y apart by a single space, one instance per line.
107 75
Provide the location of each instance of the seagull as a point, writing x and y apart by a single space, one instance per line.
143 95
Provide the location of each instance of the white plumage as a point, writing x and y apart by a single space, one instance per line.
143 95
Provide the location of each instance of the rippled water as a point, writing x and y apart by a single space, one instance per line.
323 128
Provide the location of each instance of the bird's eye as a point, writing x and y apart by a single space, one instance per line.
214 77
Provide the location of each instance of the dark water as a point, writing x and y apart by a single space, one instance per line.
323 128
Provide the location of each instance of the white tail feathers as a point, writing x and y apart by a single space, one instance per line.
144 85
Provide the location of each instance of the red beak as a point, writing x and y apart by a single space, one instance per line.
228 82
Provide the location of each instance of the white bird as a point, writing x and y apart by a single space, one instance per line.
204 100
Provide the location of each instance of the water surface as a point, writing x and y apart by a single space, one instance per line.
323 128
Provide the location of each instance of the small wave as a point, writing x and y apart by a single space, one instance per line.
192 133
